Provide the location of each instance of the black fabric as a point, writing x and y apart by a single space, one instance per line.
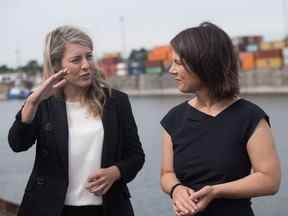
211 150
46 189
82 211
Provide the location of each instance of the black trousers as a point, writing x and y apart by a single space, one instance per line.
82 210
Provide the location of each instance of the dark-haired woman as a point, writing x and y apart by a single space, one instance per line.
218 149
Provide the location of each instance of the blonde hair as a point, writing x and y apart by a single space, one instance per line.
53 53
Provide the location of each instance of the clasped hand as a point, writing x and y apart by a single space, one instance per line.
187 202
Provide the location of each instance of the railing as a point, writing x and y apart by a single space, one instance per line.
250 82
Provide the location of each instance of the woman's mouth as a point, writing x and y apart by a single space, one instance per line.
85 76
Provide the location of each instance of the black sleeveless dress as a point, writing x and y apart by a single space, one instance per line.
212 150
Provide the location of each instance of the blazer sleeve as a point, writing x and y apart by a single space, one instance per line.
133 154
22 135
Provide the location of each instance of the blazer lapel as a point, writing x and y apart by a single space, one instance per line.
59 120
110 124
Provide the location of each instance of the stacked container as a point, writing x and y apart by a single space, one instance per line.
136 68
266 46
272 45
247 43
108 64
278 44
122 69
269 59
136 62
285 56
247 61
161 54
154 67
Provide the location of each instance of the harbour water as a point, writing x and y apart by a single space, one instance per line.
147 197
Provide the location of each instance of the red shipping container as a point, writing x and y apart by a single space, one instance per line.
153 64
276 53
108 69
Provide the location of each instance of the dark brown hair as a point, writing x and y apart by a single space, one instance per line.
208 51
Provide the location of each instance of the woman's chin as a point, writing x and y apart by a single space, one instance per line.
184 90
85 84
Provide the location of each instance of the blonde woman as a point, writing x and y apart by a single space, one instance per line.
87 144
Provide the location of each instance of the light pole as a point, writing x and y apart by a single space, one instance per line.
123 36
285 21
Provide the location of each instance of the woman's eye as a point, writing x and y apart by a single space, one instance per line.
177 62
75 60
90 57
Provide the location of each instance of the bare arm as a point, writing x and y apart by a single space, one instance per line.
182 204
168 178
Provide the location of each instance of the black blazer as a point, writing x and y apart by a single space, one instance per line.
46 189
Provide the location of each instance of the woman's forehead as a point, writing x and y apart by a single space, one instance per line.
76 49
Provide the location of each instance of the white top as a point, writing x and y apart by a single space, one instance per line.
86 135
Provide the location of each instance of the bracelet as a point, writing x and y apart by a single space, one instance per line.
173 188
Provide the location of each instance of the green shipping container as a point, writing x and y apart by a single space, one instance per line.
153 70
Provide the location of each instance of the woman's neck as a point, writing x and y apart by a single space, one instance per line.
74 94
204 101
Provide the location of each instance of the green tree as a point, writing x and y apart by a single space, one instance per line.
5 69
32 67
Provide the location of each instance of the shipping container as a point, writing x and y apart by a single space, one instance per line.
162 53
154 67
275 53
247 61
266 46
107 69
269 59
136 68
138 55
110 60
252 48
269 63
112 55
122 69
285 56
254 39
278 44
247 43
154 70
241 47
154 64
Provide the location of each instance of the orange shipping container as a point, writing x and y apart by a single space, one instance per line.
162 53
247 61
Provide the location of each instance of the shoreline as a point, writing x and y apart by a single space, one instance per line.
259 90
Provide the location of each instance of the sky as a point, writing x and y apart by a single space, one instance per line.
147 23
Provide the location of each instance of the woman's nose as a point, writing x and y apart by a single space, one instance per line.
85 64
172 70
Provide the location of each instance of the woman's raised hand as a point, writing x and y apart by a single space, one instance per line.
49 86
